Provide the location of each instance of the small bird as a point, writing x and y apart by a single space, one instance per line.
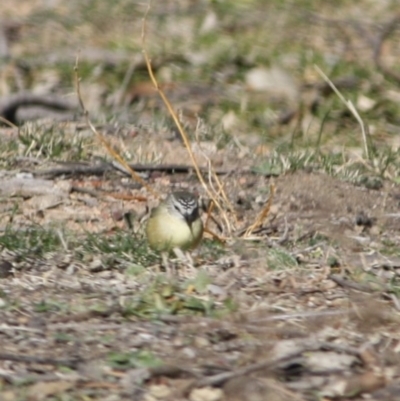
175 223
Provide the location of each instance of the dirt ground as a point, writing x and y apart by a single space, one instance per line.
314 289
305 306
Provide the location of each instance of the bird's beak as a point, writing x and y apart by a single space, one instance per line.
189 221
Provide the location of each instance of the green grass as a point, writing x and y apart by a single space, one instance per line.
117 247
385 164
32 241
51 142
48 305
126 252
121 247
280 259
133 360
163 296
212 249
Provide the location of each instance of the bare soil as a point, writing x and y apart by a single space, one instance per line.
316 310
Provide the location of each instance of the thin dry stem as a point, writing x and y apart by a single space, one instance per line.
209 211
218 196
349 104
177 122
101 138
9 123
263 214
213 177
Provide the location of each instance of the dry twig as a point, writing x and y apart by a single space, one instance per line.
349 104
216 200
10 105
263 214
72 363
270 365
102 139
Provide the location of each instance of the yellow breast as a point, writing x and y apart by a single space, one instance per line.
166 231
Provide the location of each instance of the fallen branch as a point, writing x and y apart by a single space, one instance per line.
10 105
102 139
100 169
272 365
346 283
75 169
71 362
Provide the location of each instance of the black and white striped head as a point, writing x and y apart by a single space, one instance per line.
185 204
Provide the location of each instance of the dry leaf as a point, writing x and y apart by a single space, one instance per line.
41 390
206 394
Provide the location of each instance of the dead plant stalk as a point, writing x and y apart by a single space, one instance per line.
214 197
349 104
101 138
